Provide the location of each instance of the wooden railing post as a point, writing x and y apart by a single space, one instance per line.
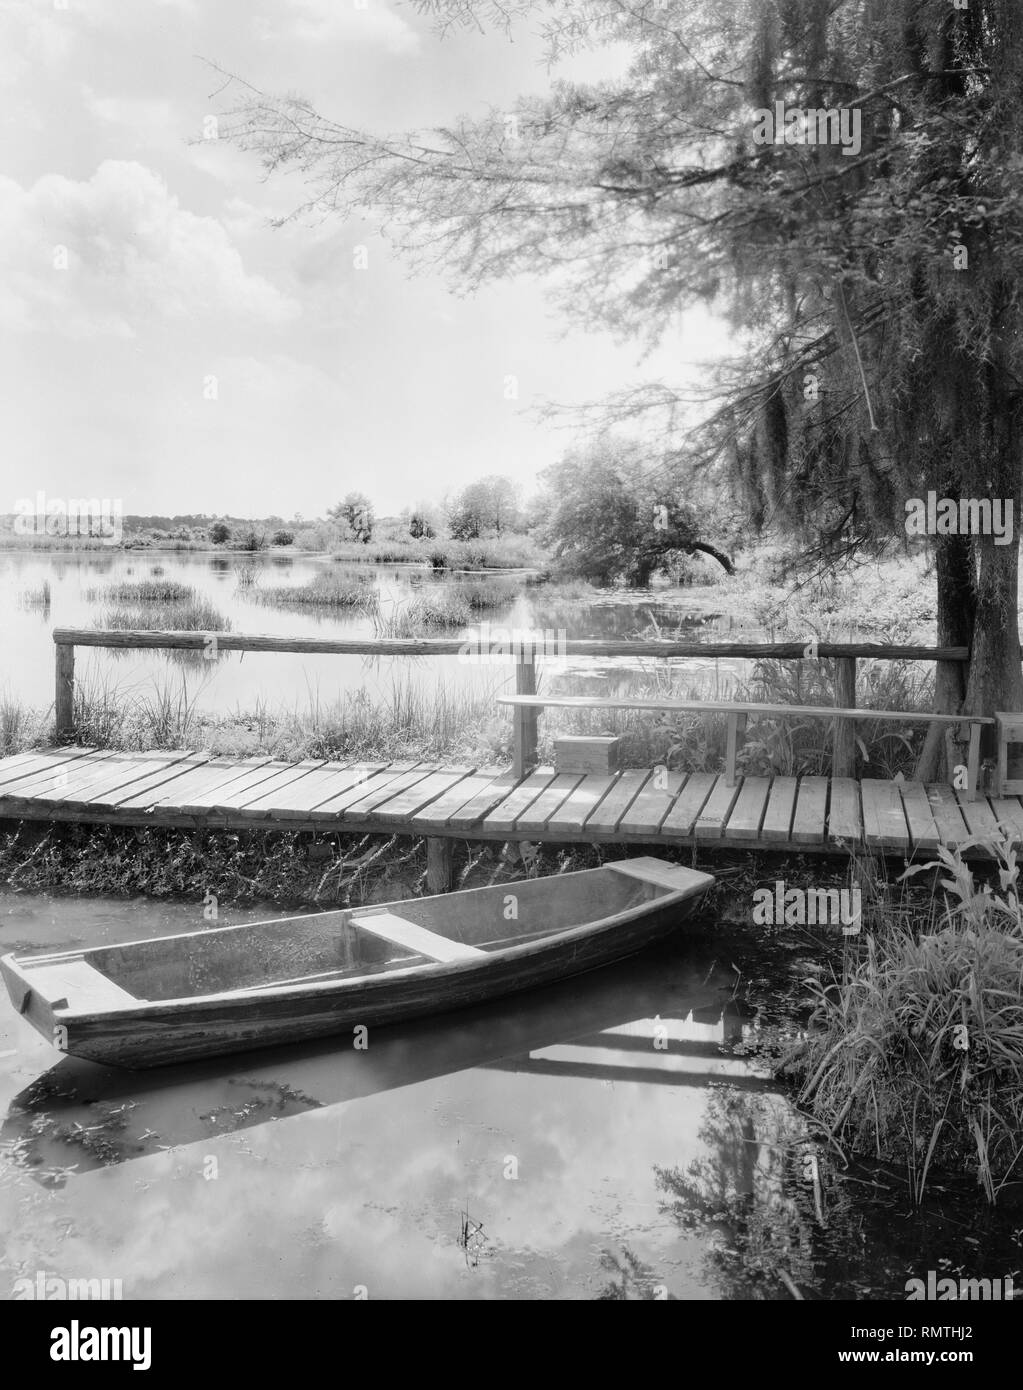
64 694
843 760
524 757
736 724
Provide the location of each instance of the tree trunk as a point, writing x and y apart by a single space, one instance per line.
957 607
995 679
718 555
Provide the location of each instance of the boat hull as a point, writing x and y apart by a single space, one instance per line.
163 1033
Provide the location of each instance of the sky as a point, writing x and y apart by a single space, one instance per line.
162 345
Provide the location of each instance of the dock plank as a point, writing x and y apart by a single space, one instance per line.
845 822
1008 811
230 794
811 804
710 823
947 815
884 819
278 785
649 808
502 818
547 804
110 800
24 765
212 772
121 773
62 778
922 830
781 805
748 812
466 802
605 818
581 803
376 791
980 819
687 806
405 805
299 799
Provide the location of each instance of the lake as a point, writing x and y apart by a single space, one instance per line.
608 1137
246 681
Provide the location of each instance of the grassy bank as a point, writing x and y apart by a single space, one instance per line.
915 1055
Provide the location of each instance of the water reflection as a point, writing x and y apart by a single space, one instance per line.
629 1024
604 1138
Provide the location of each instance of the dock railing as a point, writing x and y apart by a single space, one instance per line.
525 649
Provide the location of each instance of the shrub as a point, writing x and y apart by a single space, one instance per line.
917 1055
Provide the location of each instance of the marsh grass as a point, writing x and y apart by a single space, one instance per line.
916 1055
152 590
442 608
20 727
357 593
194 614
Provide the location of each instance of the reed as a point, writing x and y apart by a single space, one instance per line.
916 1054
356 593
152 590
195 614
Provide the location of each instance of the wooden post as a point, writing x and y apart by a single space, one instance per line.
973 762
64 696
440 867
843 758
736 732
524 718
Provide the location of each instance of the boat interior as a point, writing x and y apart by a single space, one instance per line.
348 943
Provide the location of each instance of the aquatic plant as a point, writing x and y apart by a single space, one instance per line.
916 1055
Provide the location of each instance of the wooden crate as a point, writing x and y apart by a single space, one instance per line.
1009 728
574 753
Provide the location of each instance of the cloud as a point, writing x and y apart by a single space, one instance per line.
33 39
132 253
331 21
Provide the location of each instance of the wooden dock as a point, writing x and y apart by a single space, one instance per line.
778 814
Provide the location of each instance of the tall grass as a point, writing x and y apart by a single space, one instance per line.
196 614
153 590
444 608
916 1056
324 590
20 728
107 715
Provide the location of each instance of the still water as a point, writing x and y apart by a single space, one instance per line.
248 680
604 1138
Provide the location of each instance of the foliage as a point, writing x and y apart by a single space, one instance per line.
219 533
917 1055
489 506
608 518
356 513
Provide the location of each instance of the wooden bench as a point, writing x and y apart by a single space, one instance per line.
413 937
738 713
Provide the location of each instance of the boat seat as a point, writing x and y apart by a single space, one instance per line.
76 985
413 937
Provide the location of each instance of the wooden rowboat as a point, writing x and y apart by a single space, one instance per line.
229 989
